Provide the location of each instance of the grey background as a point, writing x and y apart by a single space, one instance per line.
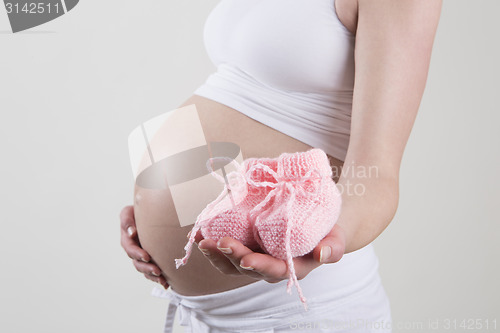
71 91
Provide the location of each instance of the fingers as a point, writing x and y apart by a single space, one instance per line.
127 220
234 251
161 280
129 240
129 237
256 265
150 270
130 243
133 248
331 248
225 256
274 270
271 269
233 258
147 268
209 249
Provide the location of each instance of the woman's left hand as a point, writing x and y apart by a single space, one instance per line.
233 258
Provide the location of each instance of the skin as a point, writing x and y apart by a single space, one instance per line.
393 48
158 228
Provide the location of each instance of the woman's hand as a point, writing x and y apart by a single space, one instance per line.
233 258
131 245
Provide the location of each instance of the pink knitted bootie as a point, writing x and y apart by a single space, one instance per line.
301 209
228 214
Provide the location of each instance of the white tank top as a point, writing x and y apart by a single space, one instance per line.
288 64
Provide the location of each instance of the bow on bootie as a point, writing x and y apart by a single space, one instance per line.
235 187
286 191
275 204
228 214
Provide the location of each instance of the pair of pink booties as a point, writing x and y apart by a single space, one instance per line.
283 205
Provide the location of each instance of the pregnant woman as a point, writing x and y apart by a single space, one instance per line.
345 76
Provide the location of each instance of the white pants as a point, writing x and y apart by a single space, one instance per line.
343 297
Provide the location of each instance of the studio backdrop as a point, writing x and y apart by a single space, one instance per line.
76 83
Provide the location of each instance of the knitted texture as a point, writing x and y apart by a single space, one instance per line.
301 209
285 205
228 214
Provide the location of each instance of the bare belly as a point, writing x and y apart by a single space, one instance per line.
160 233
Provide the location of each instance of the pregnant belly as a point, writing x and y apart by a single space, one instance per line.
158 226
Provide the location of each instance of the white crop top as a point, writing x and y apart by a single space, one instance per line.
288 64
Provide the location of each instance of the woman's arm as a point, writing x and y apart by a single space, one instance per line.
393 48
394 41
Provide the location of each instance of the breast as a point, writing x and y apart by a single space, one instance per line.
295 45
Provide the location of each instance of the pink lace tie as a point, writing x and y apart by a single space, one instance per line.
236 183
280 187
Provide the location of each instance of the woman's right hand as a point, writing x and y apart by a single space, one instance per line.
131 245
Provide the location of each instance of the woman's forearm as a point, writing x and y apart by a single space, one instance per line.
369 203
392 57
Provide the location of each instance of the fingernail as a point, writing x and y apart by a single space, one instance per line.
143 259
189 234
204 251
155 274
326 252
249 268
130 231
225 250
